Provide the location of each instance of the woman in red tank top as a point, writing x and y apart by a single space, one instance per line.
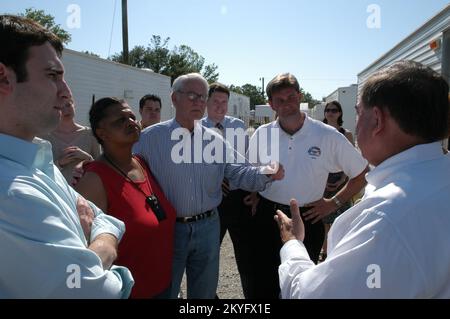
122 185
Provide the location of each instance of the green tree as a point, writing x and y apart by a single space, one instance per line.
307 98
91 53
253 92
180 60
257 97
48 22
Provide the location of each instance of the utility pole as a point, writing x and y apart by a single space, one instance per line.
262 87
125 32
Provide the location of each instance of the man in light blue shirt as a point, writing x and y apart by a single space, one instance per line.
191 177
54 243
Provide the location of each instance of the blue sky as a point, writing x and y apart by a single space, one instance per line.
324 43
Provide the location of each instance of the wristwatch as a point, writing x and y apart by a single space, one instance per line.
336 200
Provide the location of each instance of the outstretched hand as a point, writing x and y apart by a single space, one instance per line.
290 228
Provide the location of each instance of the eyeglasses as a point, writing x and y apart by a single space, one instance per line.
192 96
334 111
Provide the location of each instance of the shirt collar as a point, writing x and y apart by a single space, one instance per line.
18 150
198 127
36 154
301 132
210 123
413 155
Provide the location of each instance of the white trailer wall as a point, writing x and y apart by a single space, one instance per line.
239 107
346 96
416 47
89 76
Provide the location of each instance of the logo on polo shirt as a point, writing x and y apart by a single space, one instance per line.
314 152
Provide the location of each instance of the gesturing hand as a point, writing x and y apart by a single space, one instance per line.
290 228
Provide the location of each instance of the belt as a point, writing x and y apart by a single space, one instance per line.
284 208
195 218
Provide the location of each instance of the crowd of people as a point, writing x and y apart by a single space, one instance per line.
153 200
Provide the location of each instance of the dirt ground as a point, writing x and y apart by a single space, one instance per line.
229 281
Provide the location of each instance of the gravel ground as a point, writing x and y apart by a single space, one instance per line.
229 280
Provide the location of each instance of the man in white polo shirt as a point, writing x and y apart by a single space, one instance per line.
308 150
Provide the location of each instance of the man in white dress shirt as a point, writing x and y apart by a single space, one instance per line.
395 242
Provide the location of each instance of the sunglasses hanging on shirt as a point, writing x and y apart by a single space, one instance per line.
151 199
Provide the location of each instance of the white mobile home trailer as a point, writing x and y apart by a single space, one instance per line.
264 114
346 96
317 111
90 78
429 45
239 107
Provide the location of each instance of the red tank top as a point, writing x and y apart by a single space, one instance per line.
147 245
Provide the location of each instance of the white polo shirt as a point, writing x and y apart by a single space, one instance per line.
308 157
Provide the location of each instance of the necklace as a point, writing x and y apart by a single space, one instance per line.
151 199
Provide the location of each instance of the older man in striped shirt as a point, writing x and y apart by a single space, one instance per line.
192 181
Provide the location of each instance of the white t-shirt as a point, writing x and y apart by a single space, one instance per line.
393 244
308 157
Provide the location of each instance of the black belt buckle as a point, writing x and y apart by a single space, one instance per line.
195 217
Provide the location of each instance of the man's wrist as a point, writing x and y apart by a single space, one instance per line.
336 201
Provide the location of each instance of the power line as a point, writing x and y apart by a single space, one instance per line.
112 28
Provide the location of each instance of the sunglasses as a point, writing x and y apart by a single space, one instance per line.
334 111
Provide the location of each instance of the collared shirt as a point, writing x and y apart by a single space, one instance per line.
44 250
393 244
234 132
308 156
193 185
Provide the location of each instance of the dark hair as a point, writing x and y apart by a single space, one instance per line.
150 97
282 81
17 35
98 112
415 96
340 121
218 87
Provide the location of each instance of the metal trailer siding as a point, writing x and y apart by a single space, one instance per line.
346 96
239 107
89 76
416 47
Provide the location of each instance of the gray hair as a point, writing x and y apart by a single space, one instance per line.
179 82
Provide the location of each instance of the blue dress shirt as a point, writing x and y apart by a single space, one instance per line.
43 247
194 186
